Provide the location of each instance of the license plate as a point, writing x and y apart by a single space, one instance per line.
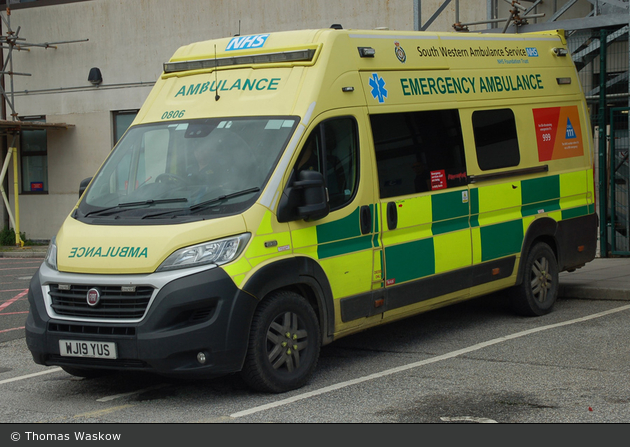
90 349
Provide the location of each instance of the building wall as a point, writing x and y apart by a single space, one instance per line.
128 40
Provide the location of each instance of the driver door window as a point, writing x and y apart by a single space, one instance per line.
332 149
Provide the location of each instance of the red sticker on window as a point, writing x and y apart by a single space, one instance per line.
438 180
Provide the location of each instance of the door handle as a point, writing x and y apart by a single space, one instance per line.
366 220
392 216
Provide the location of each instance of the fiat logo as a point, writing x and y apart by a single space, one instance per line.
93 297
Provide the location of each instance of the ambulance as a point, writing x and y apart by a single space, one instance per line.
279 191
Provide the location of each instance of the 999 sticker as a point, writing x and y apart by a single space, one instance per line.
558 133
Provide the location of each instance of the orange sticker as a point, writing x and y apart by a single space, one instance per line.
558 133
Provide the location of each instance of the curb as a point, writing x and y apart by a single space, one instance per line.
593 293
23 254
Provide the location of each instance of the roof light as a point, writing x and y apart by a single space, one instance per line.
560 52
366 51
268 58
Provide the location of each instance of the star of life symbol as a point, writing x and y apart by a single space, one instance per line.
378 88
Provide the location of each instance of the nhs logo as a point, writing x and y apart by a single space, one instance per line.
247 42
532 52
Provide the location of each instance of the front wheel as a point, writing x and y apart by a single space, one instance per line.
284 344
539 289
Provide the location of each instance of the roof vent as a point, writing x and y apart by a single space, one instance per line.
336 26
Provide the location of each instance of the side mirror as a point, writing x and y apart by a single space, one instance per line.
305 198
83 185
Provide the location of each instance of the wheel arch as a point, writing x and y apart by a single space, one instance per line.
540 230
304 276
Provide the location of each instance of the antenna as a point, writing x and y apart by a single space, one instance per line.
216 66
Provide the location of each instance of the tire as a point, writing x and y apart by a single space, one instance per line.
538 292
284 344
84 372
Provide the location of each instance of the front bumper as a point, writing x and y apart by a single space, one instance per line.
202 311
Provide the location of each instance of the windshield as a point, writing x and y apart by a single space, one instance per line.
192 169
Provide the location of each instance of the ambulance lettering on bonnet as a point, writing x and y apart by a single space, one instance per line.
108 252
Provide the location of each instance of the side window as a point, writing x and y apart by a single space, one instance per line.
332 149
418 152
495 139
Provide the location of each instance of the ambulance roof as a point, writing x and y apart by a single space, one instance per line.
416 49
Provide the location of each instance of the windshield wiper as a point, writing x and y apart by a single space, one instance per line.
205 204
139 203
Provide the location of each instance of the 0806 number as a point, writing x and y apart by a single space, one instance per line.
172 114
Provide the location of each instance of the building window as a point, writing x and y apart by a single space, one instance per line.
495 139
122 120
418 152
34 159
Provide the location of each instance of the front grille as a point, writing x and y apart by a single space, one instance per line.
54 359
92 330
114 303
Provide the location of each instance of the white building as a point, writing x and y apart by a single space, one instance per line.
128 41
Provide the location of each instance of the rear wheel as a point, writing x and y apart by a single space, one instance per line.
284 344
539 289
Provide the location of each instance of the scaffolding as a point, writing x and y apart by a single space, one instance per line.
604 13
10 129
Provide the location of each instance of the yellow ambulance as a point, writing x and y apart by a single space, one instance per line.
279 191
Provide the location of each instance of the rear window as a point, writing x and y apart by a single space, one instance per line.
496 141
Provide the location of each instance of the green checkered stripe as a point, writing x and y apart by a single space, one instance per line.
540 194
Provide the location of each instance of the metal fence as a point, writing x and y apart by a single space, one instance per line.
601 57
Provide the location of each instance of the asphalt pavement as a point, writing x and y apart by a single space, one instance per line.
602 278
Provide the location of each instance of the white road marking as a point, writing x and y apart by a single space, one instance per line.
409 366
131 393
28 376
468 419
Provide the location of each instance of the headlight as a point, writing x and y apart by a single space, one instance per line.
215 252
51 255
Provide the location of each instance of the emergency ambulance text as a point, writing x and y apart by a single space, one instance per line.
465 85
